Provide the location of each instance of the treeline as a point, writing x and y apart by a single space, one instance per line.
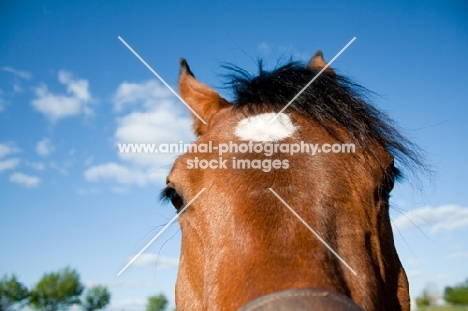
453 295
54 291
59 291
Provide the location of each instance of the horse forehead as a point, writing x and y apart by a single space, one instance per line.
265 127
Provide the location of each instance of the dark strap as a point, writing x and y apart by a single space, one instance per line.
302 299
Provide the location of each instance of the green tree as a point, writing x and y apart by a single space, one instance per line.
428 297
422 302
12 293
157 303
457 295
97 297
56 290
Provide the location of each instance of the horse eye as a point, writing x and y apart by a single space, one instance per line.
169 193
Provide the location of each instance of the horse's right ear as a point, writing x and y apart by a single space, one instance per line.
204 102
317 62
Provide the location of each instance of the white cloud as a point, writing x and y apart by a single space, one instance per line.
157 117
25 180
3 102
36 165
153 260
129 303
457 255
79 88
57 106
18 73
89 161
123 283
117 172
44 147
17 87
9 164
264 48
18 76
415 273
85 191
156 127
61 169
414 262
120 190
446 217
150 93
7 149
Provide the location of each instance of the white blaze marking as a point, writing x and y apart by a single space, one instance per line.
257 128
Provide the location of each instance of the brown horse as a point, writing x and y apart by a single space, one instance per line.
240 239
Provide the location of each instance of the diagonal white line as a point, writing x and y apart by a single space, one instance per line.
313 79
159 233
161 79
313 231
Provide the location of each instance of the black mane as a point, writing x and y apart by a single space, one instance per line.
331 98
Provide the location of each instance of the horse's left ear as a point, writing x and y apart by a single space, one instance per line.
317 62
205 101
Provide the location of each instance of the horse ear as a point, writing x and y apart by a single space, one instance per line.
317 62
204 101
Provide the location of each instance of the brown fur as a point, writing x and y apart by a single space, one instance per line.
240 242
317 62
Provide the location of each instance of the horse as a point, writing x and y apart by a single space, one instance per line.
258 226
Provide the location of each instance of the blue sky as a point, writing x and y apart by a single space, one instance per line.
70 91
